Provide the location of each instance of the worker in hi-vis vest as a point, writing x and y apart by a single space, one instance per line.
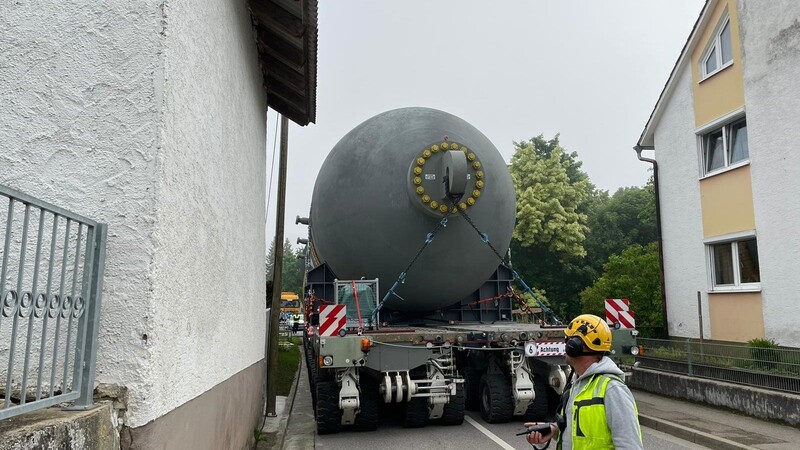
597 409
296 321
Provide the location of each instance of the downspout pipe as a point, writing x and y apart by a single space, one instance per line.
638 149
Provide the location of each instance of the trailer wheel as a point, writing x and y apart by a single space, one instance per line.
496 401
367 418
453 413
329 416
416 413
538 410
472 389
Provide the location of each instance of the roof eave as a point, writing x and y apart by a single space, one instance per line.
647 137
286 37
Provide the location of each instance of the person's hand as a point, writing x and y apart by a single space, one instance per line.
539 438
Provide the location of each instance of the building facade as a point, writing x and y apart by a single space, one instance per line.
151 116
724 132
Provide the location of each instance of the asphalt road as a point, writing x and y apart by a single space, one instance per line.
473 434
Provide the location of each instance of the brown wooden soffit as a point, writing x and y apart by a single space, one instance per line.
286 35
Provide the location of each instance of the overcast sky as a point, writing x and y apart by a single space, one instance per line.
590 70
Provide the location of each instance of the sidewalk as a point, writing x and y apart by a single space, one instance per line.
704 425
293 428
712 427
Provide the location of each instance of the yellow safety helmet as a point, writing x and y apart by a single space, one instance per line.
592 330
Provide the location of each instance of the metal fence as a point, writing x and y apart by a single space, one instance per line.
774 368
50 287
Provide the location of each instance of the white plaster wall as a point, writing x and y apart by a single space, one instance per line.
208 280
682 227
771 46
149 116
79 116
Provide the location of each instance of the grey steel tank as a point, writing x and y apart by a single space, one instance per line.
380 192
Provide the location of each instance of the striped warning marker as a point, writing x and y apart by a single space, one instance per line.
332 318
618 311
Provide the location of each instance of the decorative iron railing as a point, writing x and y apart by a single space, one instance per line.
774 368
51 281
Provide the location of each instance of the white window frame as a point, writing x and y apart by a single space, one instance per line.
724 124
716 44
732 240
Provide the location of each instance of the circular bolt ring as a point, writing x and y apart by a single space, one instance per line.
475 167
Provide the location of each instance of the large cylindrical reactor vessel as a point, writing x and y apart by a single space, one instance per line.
388 183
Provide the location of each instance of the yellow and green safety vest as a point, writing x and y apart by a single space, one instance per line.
590 430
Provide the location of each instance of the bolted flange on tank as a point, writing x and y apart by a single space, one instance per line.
380 192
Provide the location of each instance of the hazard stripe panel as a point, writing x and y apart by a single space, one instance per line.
332 318
618 311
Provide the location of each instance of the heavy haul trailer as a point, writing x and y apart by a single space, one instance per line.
434 371
422 201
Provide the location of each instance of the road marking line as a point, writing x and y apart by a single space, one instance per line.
488 433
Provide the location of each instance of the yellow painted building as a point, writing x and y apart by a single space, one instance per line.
723 139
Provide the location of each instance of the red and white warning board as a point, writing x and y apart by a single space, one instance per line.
618 311
332 318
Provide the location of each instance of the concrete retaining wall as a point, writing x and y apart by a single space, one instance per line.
760 403
52 428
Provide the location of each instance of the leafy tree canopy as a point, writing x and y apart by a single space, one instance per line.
550 189
618 222
633 274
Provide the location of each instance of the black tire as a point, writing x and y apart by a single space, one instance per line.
539 409
313 374
416 413
472 389
367 418
453 413
496 402
329 416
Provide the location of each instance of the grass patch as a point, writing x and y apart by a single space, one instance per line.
288 359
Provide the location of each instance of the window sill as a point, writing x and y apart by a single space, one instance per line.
724 66
734 290
726 169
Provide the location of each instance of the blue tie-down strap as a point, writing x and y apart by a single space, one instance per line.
389 293
527 289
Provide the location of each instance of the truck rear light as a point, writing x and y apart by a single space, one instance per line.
326 360
366 344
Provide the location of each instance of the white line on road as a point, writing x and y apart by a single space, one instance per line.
488 433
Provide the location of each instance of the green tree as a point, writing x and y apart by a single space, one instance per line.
617 222
547 249
633 274
292 270
550 188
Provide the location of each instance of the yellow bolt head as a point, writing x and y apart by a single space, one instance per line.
434 148
476 193
434 204
417 181
426 198
426 154
479 174
445 145
470 201
476 165
417 170
479 184
420 161
420 190
443 208
471 157
463 206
